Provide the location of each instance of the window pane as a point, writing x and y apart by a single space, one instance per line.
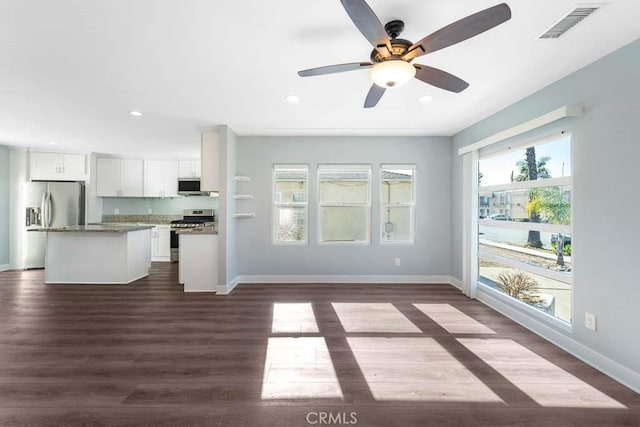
344 223
521 245
396 185
290 185
547 204
290 223
547 295
552 160
396 223
344 186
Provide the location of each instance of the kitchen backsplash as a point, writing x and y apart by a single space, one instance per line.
139 206
146 219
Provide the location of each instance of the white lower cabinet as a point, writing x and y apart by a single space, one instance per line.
161 243
198 269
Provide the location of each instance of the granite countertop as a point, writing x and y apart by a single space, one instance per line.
96 228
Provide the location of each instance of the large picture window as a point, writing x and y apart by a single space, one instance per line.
525 232
290 191
397 195
345 203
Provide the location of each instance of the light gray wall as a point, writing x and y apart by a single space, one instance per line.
228 236
428 256
4 205
606 199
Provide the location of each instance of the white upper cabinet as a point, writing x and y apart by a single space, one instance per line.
210 147
119 177
189 169
160 178
57 166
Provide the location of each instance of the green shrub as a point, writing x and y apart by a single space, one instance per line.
566 249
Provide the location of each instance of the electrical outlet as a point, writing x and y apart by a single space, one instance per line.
116 211
397 262
590 321
150 211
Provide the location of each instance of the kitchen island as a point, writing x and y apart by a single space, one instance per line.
198 270
97 254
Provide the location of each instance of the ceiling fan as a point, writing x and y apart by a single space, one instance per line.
391 57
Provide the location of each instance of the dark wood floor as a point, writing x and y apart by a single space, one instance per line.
283 355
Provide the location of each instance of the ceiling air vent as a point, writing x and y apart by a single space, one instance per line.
569 21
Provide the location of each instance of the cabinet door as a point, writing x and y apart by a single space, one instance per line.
108 177
164 241
131 178
210 162
154 243
45 166
153 178
74 167
170 178
189 169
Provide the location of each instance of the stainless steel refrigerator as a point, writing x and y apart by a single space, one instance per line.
49 204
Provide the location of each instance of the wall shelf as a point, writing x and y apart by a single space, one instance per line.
242 178
243 197
244 215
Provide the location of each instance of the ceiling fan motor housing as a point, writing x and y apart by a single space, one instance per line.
398 48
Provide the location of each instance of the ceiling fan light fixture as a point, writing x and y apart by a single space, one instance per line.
392 73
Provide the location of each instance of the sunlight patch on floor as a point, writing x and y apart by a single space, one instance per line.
416 369
373 317
299 368
546 383
293 318
452 319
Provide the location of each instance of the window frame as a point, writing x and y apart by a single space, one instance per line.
276 202
563 181
342 167
411 205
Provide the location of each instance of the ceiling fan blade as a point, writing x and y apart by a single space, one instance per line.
460 30
439 78
374 95
368 23
330 69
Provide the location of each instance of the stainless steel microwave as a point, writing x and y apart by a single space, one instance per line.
190 187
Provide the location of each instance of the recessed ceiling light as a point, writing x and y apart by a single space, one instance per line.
135 113
425 99
292 99
53 143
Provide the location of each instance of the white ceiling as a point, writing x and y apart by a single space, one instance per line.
71 70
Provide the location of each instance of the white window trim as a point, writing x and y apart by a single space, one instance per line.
563 181
534 226
412 205
471 270
275 203
339 167
520 265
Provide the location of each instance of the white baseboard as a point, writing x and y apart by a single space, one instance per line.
602 363
226 289
455 282
5 267
329 278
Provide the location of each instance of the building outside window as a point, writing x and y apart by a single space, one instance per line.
290 215
344 203
397 194
525 232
